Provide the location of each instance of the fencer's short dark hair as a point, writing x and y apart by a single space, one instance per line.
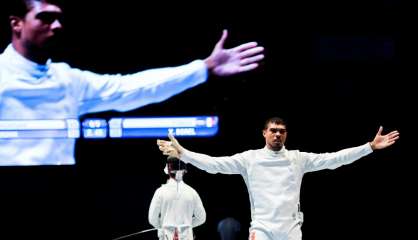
275 120
20 8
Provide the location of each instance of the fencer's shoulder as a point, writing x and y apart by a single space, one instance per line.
60 66
293 152
193 192
157 193
3 61
160 188
5 67
191 189
1 56
296 156
66 69
249 153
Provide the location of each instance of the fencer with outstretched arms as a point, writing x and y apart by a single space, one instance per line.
273 175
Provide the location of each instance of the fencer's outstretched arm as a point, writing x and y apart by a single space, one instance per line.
319 161
312 161
225 62
227 164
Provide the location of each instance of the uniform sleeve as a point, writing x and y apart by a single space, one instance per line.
315 161
199 213
227 165
98 92
154 213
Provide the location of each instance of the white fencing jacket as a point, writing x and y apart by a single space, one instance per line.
30 91
273 179
176 205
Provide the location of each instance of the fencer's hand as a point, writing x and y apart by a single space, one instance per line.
382 141
225 62
170 148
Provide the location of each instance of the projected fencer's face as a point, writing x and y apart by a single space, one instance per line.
275 135
37 30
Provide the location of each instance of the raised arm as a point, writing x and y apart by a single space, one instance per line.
127 92
383 141
225 62
227 165
315 162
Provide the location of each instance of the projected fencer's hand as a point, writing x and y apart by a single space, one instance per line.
382 141
170 148
225 62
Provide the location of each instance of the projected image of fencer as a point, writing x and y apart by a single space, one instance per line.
176 208
35 87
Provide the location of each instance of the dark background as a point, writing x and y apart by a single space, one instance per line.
335 70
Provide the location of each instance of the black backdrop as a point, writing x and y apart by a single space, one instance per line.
335 71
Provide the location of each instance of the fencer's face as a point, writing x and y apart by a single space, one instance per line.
39 27
275 136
